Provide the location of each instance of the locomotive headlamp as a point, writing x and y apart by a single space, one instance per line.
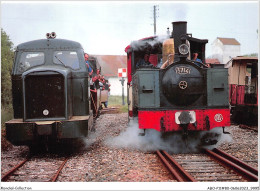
51 35
184 49
48 35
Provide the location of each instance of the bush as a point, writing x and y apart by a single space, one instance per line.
7 55
6 115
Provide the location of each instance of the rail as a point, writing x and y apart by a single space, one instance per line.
14 169
55 177
233 163
10 172
177 171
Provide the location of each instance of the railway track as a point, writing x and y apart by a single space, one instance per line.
110 110
35 170
175 168
214 165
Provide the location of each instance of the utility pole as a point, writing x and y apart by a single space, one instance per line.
155 15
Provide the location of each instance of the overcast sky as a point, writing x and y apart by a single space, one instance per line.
108 27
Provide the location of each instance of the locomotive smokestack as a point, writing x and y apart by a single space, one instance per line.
179 29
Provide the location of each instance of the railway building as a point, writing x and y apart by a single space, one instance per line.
110 65
224 49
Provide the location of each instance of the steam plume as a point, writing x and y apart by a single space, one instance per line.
153 140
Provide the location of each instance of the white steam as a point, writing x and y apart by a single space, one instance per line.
140 44
180 12
152 141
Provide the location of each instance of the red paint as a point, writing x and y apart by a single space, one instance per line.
232 94
237 95
130 113
129 67
240 95
212 113
151 119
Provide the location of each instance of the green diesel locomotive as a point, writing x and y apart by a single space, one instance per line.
51 92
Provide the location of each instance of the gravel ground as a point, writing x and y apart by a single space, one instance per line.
101 162
244 145
106 155
13 156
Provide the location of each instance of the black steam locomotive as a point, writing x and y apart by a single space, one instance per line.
51 92
173 92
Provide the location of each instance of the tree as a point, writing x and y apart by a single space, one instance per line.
251 55
7 56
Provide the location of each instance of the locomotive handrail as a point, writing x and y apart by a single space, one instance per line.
202 64
95 107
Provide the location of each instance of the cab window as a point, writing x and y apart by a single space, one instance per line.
29 60
67 59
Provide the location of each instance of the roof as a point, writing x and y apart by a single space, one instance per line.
110 64
134 43
229 41
241 60
48 44
198 40
245 58
212 61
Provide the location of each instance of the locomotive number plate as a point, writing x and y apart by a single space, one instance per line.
182 70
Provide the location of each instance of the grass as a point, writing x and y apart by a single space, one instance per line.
116 101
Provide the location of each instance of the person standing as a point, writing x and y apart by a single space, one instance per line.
90 70
107 87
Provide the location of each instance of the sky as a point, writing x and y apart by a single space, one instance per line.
107 27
